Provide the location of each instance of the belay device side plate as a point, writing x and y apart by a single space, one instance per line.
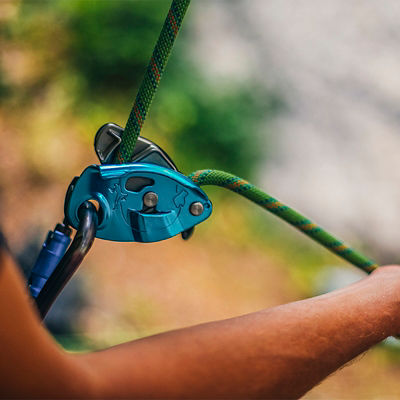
120 189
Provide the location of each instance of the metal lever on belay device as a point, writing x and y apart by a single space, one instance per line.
146 200
108 139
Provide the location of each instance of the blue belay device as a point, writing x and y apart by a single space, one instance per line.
147 200
124 217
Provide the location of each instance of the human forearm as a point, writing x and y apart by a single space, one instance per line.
279 352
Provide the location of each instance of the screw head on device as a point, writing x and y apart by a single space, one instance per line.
196 208
150 199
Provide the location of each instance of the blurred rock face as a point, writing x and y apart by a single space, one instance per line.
335 150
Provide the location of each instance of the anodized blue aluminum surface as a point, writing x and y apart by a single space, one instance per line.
119 190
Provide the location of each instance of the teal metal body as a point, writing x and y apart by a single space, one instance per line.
119 191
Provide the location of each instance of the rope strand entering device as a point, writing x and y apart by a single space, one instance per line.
151 79
141 195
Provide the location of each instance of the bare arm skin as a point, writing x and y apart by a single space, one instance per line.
280 352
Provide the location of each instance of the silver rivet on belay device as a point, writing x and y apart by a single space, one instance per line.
150 199
196 208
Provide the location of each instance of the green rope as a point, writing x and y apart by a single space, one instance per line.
151 79
136 120
251 192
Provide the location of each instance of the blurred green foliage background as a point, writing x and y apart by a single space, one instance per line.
69 66
93 53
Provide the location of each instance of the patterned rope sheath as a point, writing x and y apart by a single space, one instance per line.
151 80
136 120
251 192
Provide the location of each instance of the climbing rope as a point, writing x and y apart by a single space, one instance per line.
151 79
303 224
136 120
